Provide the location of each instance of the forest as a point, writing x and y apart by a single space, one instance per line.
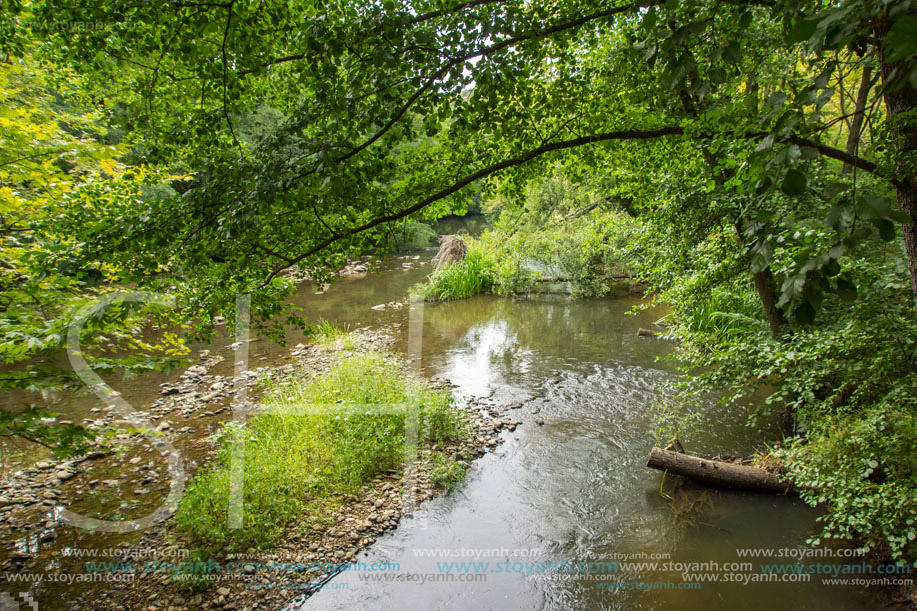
661 223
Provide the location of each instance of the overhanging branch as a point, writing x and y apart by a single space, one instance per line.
631 134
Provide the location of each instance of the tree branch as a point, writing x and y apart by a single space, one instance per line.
433 78
631 134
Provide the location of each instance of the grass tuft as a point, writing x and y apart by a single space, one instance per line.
316 440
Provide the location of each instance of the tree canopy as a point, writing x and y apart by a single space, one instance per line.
378 111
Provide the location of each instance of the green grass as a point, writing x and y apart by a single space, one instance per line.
460 280
312 444
329 334
446 473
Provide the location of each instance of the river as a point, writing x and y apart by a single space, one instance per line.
569 485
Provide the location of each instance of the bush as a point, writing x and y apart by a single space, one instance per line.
460 280
582 247
863 467
413 235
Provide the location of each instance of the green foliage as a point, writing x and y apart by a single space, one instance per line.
862 466
414 235
315 440
446 473
58 162
458 280
41 427
559 229
326 332
386 113
707 136
847 376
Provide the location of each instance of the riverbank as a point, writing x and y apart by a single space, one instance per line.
836 367
180 569
569 483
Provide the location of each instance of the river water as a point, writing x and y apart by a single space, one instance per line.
575 489
572 488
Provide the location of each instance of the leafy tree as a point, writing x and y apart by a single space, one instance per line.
54 159
394 108
775 194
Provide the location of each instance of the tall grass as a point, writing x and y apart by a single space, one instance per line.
316 440
723 313
468 277
326 331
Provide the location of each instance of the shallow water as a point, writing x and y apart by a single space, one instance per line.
576 489
572 490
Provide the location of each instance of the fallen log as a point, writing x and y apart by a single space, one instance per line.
717 473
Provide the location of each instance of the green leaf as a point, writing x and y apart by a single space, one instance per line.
794 183
802 30
804 313
886 229
834 189
899 216
838 218
846 290
732 54
874 207
649 20
776 99
831 268
717 75
901 41
745 20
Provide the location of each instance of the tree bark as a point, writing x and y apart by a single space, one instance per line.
767 292
859 112
900 98
716 473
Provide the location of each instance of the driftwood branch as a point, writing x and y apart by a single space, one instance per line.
717 473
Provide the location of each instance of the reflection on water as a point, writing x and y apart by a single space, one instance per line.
577 488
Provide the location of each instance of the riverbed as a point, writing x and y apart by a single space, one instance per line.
569 486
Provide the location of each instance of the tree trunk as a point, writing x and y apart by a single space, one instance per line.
717 473
766 287
900 98
764 280
859 112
